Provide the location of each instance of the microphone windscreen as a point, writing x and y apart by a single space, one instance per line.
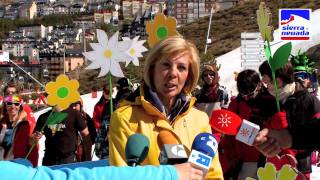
225 121
205 143
166 137
137 148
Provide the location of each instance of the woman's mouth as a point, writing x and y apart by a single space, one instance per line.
170 86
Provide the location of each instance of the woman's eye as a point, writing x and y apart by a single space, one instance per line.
165 64
182 68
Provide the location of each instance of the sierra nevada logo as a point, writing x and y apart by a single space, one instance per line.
295 24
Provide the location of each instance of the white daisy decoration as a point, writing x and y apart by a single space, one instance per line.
135 50
224 120
107 54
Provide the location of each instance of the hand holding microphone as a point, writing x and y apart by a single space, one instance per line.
187 171
204 148
230 123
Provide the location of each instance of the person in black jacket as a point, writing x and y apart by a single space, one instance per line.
61 138
303 113
84 148
124 90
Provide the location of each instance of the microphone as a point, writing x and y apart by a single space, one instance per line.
171 151
204 148
227 122
136 149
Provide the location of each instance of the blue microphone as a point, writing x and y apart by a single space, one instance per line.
204 148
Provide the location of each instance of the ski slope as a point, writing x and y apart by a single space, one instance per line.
231 62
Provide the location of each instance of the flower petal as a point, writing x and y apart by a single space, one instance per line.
116 69
149 27
51 88
74 97
52 99
91 55
135 61
159 19
94 65
152 40
102 37
119 56
105 68
62 79
124 45
171 23
113 41
96 46
63 105
73 85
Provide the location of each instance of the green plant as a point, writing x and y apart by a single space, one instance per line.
34 96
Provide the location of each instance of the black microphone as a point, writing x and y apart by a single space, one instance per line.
171 151
137 149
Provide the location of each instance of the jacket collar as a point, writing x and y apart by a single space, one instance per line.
152 105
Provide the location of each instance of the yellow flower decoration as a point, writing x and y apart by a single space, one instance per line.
269 172
160 28
263 19
63 92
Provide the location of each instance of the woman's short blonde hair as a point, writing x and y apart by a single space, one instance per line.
169 48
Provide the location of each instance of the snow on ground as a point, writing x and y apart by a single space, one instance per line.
231 62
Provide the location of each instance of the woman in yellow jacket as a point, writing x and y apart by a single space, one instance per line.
162 102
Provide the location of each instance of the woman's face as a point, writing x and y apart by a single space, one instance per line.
267 82
170 76
209 77
13 108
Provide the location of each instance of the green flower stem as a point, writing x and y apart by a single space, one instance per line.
275 86
110 94
34 143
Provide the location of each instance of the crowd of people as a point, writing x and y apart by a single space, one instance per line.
164 102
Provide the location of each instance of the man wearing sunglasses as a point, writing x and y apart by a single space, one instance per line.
308 80
11 89
14 132
302 110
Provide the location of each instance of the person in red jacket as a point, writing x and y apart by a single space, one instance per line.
11 89
101 109
15 132
240 160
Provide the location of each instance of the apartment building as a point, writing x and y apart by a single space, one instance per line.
21 47
35 31
28 10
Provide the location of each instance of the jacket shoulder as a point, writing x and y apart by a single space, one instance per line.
128 114
200 115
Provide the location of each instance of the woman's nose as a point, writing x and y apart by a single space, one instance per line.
173 71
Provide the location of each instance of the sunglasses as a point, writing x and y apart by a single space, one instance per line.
302 75
13 103
251 94
209 74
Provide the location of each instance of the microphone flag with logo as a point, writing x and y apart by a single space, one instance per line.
229 123
204 148
171 151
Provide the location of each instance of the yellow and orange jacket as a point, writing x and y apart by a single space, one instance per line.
140 116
